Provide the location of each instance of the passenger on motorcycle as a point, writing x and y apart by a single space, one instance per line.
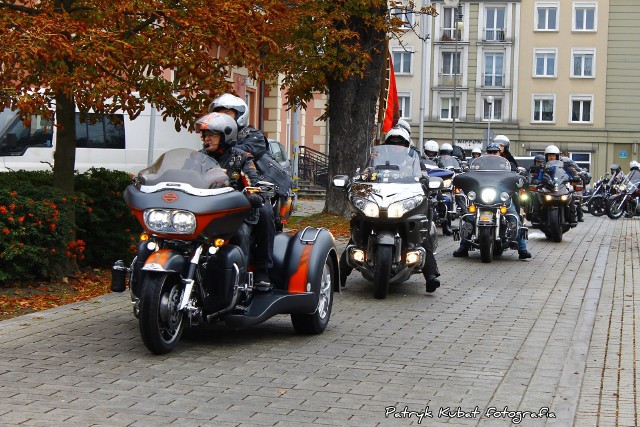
504 143
553 153
617 176
493 149
634 172
399 136
476 152
431 149
219 132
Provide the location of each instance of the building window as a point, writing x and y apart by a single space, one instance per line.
546 17
494 23
497 110
582 159
581 109
97 131
447 110
583 61
405 14
543 108
544 63
450 15
404 103
584 16
450 63
493 69
402 61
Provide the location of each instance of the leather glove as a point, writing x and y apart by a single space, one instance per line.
255 200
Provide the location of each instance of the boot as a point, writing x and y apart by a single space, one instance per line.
524 254
461 253
261 281
432 283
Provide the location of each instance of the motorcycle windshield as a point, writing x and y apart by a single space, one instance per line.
555 171
449 162
634 177
394 163
184 166
489 171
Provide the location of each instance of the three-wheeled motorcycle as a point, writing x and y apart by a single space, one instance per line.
188 271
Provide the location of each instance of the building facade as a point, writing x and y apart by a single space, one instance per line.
539 71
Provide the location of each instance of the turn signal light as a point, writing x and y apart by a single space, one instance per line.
503 210
218 242
472 208
144 237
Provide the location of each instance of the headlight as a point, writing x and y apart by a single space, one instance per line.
504 196
446 183
397 209
170 221
565 197
367 207
622 187
471 195
488 195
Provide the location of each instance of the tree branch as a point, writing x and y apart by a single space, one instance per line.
19 8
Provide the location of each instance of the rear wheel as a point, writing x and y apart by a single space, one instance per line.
486 242
597 206
316 322
615 207
161 323
555 228
382 272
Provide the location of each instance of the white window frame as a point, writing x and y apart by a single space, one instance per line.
497 109
449 109
582 52
581 99
406 14
543 97
582 163
451 71
574 16
448 27
495 29
546 52
547 6
495 76
404 104
408 50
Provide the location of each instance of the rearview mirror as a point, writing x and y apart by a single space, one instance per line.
340 181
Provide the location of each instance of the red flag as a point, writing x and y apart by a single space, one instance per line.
392 113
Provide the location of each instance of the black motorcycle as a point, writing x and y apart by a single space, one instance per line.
390 217
596 201
627 200
555 198
187 272
489 224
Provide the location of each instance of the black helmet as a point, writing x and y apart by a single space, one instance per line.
615 167
539 158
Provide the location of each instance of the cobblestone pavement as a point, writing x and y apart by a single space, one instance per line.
558 331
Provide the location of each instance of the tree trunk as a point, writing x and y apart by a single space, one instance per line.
353 126
64 157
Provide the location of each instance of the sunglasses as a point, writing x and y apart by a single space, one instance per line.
205 133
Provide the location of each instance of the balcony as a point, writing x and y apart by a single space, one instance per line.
494 35
493 80
447 80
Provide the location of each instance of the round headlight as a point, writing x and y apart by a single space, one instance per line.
488 195
504 196
471 195
184 221
158 219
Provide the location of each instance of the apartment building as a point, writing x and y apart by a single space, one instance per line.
539 71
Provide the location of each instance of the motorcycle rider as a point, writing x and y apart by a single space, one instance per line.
447 150
493 149
219 132
476 152
552 153
399 136
504 143
634 172
617 176
431 148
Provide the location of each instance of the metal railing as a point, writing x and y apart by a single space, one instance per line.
446 80
313 165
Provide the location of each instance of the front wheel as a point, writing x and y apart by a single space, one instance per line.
382 272
555 228
597 206
615 207
161 323
486 242
316 322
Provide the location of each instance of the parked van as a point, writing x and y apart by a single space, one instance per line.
111 142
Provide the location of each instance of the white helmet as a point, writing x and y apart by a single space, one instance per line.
431 146
476 150
502 140
397 136
446 149
552 149
232 102
634 164
219 123
403 125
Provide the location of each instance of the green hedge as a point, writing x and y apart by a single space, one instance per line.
34 237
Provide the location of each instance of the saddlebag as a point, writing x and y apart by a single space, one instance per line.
221 276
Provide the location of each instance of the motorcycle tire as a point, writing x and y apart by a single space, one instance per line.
615 207
597 206
486 241
555 228
315 323
498 250
382 273
161 323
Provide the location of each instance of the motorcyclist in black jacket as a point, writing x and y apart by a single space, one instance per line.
219 132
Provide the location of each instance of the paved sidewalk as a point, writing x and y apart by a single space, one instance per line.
558 332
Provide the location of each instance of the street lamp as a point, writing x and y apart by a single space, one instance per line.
490 102
457 26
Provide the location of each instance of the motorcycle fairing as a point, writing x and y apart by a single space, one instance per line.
502 181
165 260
